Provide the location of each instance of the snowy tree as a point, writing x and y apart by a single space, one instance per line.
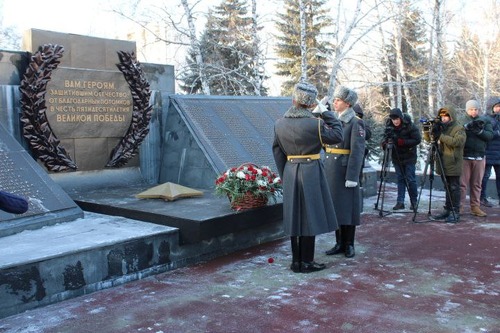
231 58
289 48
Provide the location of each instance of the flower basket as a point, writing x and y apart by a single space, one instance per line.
248 186
247 201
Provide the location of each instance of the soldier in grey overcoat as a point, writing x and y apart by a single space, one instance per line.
343 163
307 204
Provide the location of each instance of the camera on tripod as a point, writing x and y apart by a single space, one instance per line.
389 136
431 124
432 128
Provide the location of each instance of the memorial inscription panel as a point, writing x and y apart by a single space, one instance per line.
21 175
88 103
234 131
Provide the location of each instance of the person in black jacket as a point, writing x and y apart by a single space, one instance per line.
404 136
492 150
479 132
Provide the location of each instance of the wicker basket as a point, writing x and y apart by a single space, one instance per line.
247 201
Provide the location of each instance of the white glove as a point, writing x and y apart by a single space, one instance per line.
321 107
350 183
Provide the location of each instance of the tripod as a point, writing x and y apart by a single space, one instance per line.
383 175
433 158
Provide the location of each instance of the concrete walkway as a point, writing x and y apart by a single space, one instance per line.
405 277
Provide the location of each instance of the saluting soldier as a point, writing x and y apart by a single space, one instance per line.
343 163
307 204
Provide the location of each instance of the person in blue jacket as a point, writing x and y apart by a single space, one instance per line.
12 203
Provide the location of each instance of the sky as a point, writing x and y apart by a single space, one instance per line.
96 18
89 17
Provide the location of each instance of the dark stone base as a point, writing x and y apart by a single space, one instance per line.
122 238
74 258
198 219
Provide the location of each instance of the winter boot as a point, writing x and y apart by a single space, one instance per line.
339 246
443 215
295 266
475 210
308 264
349 231
486 203
399 205
453 218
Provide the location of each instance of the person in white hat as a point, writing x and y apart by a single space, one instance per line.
343 163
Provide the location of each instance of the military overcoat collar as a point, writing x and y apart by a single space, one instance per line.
297 112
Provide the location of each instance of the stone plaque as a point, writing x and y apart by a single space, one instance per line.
88 104
21 175
234 130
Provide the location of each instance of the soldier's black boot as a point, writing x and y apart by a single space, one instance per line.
339 246
349 231
295 266
308 264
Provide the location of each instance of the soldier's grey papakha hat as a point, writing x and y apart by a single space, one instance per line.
305 93
347 95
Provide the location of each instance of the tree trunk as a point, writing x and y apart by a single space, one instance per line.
303 45
258 70
440 57
401 67
196 46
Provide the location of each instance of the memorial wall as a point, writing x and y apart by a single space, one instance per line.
88 101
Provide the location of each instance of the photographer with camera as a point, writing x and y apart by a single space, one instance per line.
450 137
479 132
402 136
492 150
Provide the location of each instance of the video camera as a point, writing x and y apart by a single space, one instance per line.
389 133
429 123
432 127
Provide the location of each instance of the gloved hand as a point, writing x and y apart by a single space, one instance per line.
321 107
477 131
350 183
401 142
477 126
436 131
479 123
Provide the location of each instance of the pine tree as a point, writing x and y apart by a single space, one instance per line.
288 45
228 53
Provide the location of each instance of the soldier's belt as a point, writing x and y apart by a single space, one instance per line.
298 158
338 151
